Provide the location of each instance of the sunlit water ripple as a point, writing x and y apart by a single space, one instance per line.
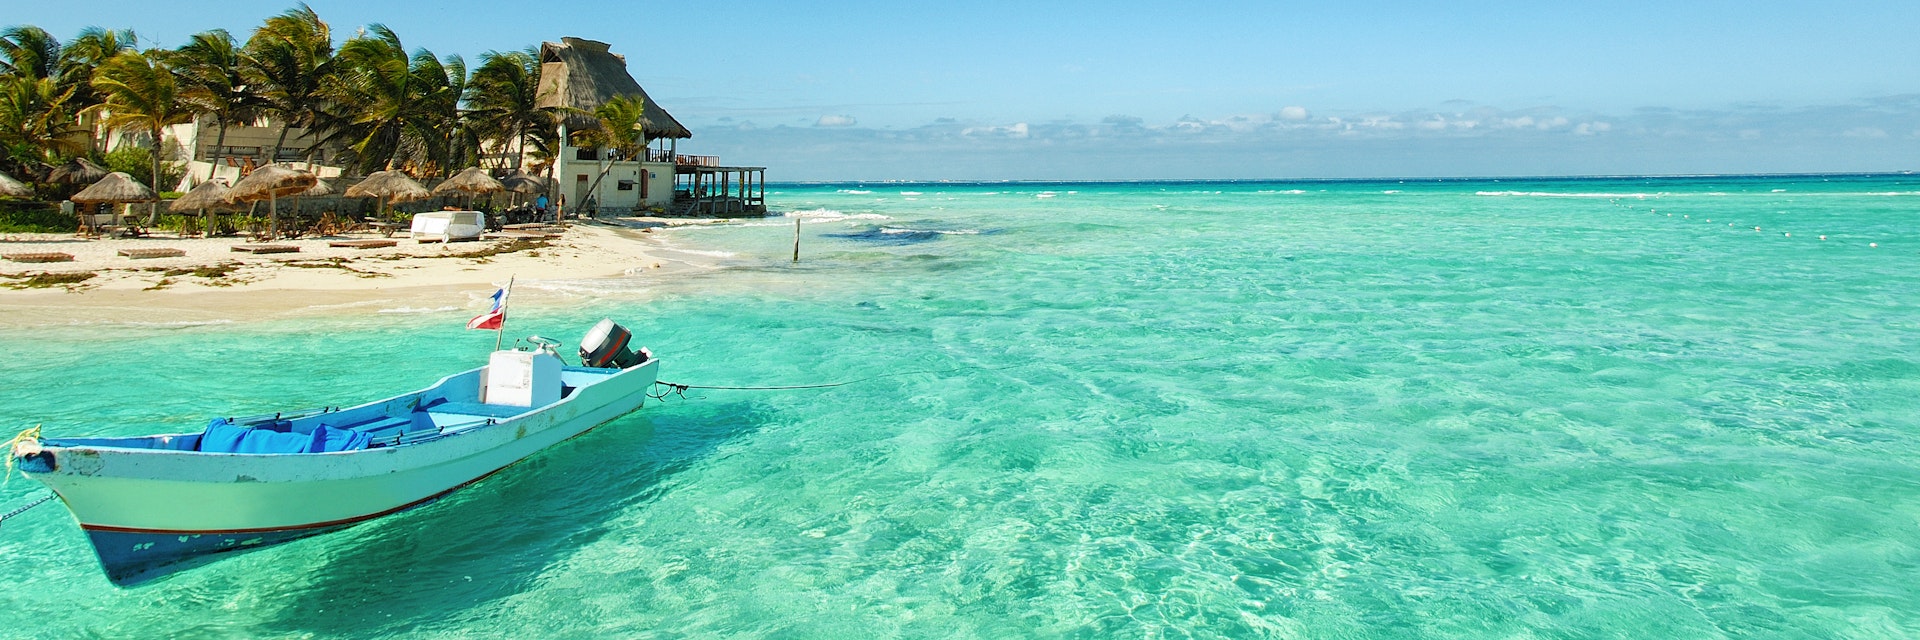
1458 409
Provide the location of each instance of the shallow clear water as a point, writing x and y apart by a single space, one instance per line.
1371 409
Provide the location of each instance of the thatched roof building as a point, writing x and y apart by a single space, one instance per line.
583 74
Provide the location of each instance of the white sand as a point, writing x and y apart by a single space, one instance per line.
410 275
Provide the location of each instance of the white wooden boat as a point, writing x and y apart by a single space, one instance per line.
154 505
449 226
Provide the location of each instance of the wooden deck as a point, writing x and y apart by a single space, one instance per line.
44 256
156 252
363 244
265 248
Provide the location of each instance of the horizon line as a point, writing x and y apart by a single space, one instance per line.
1670 176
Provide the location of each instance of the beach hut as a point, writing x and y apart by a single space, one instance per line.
115 188
12 187
269 183
389 187
473 181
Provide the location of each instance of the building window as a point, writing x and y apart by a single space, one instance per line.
626 185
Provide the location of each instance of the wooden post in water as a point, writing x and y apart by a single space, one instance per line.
796 240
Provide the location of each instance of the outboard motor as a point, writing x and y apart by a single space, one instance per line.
605 346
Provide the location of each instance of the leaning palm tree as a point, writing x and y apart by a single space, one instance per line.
81 58
291 58
390 109
38 115
503 100
212 82
621 130
138 93
30 52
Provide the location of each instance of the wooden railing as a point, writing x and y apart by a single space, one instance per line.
697 161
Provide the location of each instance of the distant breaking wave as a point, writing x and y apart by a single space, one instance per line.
418 309
1550 194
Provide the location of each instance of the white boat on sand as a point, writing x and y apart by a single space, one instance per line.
154 505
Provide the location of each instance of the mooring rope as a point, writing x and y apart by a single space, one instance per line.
43 500
675 388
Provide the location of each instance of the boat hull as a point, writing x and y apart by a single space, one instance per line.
151 513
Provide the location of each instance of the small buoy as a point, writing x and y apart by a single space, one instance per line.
1669 215
1683 216
1756 228
1873 244
1709 219
1823 237
1787 234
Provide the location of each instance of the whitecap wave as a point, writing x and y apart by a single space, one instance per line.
1289 192
173 324
857 192
419 309
706 252
910 193
1556 194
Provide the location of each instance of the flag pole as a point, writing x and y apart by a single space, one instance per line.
501 333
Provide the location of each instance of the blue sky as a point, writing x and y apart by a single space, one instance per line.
1120 90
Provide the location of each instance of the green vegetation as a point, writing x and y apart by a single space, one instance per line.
46 280
388 106
34 217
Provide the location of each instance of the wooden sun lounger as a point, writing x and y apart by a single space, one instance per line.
157 252
363 244
265 248
48 256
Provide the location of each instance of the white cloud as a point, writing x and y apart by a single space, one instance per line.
836 121
1592 128
1015 130
1293 114
1866 132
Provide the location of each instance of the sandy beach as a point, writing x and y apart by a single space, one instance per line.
211 280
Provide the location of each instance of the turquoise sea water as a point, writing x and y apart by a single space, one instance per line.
1293 410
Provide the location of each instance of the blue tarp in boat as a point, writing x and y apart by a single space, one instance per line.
223 437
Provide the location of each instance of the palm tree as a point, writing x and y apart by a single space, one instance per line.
621 132
292 57
30 52
439 83
504 97
211 68
37 121
138 93
81 57
391 109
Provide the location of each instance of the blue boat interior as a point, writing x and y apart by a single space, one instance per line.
449 407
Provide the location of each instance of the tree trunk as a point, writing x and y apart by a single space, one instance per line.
153 209
278 143
520 156
219 146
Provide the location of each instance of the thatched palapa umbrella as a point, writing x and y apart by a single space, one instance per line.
12 187
77 171
473 181
115 188
520 182
390 187
211 194
269 183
